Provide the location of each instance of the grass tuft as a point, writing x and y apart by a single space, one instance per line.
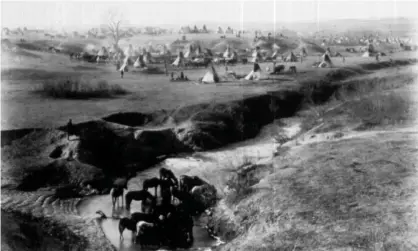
78 88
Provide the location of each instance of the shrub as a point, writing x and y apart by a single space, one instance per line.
78 88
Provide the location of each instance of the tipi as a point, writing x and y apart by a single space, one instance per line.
102 54
146 55
179 60
326 61
208 53
233 57
165 51
303 52
275 47
255 74
188 51
211 76
367 54
328 51
256 56
129 52
139 63
204 29
291 58
198 51
228 52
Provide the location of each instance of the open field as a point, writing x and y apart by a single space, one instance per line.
147 93
342 177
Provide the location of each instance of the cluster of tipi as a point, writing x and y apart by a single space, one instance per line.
140 58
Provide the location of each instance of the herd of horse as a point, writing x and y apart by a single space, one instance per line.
164 221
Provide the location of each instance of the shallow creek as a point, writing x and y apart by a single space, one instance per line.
201 164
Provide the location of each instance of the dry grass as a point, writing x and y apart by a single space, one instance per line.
346 195
371 99
383 110
78 88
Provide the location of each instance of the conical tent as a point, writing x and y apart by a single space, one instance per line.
366 54
211 76
256 56
275 54
129 52
179 60
370 48
326 61
233 56
254 74
102 52
291 58
204 28
303 52
208 52
150 47
229 30
328 51
164 50
139 63
228 52
148 58
198 51
188 51
275 47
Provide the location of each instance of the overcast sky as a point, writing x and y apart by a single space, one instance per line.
53 14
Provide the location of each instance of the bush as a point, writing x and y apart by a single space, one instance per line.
78 88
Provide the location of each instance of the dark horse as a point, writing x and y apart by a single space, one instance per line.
166 174
141 195
152 182
127 223
188 182
115 193
167 185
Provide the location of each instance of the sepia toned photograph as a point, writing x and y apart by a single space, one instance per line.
237 125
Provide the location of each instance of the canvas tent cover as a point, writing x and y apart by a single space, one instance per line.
211 76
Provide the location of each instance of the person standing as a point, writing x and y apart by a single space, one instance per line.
121 73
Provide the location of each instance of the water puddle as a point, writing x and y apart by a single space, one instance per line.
88 208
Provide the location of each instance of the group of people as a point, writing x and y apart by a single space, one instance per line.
181 77
164 221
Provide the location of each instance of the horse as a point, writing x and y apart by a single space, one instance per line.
121 183
141 195
179 229
277 68
168 174
115 193
127 223
292 69
166 186
152 182
151 218
149 234
188 202
188 182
